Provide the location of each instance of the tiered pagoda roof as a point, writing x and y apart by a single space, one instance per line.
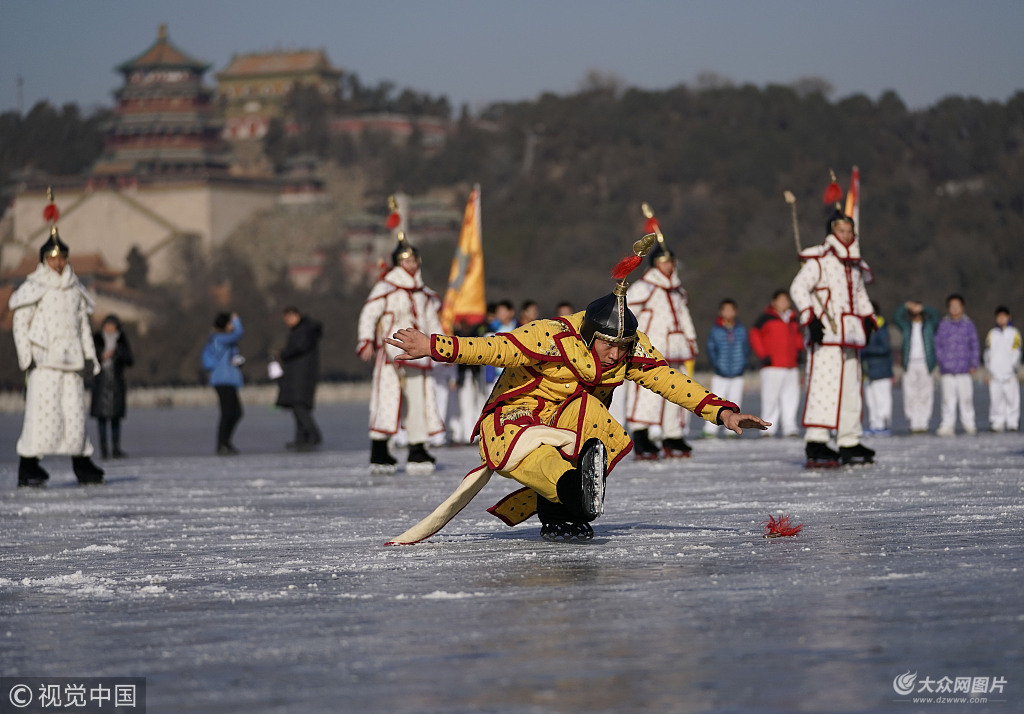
165 121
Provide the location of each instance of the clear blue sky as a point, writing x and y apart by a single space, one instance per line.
478 51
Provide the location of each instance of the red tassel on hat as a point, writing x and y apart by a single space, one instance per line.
780 528
626 266
50 213
833 193
651 226
393 220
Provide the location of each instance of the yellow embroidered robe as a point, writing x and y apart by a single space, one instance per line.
552 379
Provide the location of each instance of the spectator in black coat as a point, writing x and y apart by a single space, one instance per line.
108 387
300 360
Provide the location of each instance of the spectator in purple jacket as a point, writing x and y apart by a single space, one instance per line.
957 352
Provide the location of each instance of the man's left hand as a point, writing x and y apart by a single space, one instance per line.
736 422
412 342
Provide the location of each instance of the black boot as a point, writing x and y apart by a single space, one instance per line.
859 454
86 471
646 450
820 456
419 462
381 462
30 473
104 451
676 448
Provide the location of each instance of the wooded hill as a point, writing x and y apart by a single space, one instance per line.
563 178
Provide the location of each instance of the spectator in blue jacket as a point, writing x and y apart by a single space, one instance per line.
221 358
728 350
876 359
958 353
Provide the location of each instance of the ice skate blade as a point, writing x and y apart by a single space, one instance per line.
822 464
858 462
646 457
592 467
567 532
419 468
382 469
669 454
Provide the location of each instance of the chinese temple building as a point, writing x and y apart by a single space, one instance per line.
253 87
165 120
162 188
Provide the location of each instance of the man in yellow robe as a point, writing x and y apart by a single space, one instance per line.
546 423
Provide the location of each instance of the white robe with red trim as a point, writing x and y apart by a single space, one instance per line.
397 301
831 286
662 310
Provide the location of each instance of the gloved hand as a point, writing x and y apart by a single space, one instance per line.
766 361
815 331
869 327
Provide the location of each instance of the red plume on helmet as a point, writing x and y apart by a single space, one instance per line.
834 192
394 218
50 213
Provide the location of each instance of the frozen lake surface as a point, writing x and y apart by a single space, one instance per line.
260 583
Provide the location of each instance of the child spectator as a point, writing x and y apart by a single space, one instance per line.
957 351
777 341
917 323
876 359
728 351
1002 360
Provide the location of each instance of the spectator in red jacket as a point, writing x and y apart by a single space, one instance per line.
777 341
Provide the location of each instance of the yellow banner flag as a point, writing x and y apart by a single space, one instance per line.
464 299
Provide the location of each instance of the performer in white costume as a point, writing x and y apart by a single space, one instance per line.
53 339
400 300
830 295
661 306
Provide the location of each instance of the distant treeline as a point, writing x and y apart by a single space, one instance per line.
563 178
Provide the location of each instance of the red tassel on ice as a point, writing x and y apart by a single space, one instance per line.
50 213
833 193
626 266
393 220
652 225
780 528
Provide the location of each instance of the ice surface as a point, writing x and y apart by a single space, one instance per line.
259 583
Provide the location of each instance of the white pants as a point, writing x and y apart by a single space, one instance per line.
844 362
728 388
780 399
54 415
416 394
878 400
1004 404
957 392
447 406
918 396
471 403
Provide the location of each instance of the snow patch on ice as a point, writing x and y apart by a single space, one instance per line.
897 576
941 479
442 595
95 549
